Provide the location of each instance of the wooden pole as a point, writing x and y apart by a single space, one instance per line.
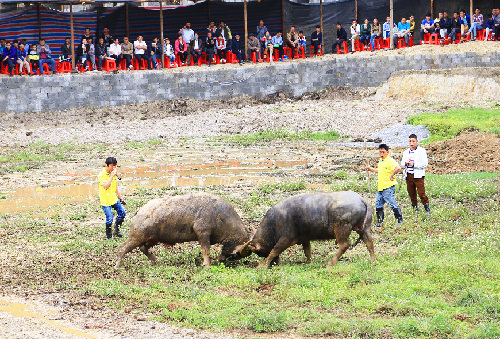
127 31
72 35
498 196
283 17
39 21
471 11
432 9
321 27
356 10
245 16
391 10
161 35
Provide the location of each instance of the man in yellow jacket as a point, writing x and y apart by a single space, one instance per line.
387 169
110 197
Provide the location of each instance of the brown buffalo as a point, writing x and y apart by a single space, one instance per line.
203 217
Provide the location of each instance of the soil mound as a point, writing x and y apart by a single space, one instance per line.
469 152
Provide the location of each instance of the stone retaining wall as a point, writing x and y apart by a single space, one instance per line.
25 94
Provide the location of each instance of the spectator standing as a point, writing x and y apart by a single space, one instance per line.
169 51
66 50
107 38
195 48
87 35
181 49
427 26
278 43
355 33
210 48
22 59
341 37
224 31
238 48
115 52
403 32
127 52
415 161
101 50
261 33
477 23
221 46
444 25
254 45
365 32
43 51
376 33
140 52
9 56
387 169
292 40
316 39
211 28
187 35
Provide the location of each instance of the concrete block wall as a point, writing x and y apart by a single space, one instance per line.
45 93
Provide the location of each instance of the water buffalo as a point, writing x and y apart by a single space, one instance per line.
316 216
203 217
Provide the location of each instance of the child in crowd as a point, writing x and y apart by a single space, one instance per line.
169 51
302 40
268 43
220 45
33 58
489 26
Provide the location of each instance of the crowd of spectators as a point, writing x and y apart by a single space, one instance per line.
217 41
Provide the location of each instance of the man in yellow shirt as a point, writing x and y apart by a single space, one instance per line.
387 168
110 197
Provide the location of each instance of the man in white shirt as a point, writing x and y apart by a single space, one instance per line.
355 29
187 33
140 48
415 161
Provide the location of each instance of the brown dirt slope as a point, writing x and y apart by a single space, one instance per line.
469 152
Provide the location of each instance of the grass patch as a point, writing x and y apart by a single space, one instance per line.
451 123
436 276
279 134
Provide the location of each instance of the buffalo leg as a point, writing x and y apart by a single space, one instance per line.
125 248
368 240
282 245
343 246
306 246
145 249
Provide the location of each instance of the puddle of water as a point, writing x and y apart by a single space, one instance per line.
76 187
19 310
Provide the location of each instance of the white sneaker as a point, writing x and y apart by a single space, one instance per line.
130 67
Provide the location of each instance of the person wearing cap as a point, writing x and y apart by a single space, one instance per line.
254 46
238 48
387 169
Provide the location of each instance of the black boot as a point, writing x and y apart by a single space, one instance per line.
380 216
398 215
427 209
117 233
108 231
415 208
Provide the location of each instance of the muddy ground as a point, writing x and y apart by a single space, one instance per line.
189 134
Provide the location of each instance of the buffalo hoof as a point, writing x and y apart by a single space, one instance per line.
262 265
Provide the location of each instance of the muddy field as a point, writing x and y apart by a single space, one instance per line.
170 148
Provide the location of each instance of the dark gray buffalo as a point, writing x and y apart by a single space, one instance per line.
316 216
203 217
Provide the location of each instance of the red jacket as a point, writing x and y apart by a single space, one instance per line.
177 46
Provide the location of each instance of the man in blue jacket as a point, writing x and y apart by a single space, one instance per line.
316 39
238 48
9 56
341 37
